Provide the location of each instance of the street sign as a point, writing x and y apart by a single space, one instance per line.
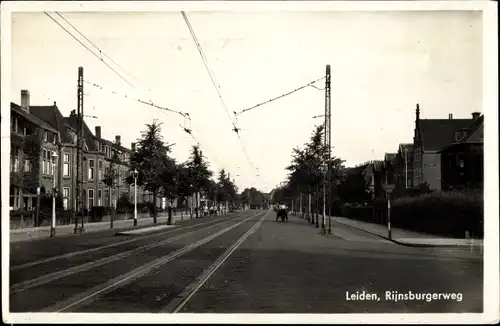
388 188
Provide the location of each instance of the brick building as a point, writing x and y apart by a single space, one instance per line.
451 137
51 132
33 141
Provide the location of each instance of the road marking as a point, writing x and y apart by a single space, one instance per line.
180 301
81 252
137 272
44 279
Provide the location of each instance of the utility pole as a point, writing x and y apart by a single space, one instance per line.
79 151
327 146
328 116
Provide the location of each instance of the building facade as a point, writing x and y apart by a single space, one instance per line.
39 132
431 137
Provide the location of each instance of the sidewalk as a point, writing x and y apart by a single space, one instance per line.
408 238
17 235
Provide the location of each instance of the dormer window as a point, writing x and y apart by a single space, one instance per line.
459 135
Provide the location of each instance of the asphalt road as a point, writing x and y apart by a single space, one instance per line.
240 263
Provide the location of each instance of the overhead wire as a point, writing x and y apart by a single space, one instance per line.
281 96
95 46
88 49
205 62
215 84
132 98
186 115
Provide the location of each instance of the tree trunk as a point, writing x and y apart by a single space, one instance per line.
169 221
197 208
113 210
154 208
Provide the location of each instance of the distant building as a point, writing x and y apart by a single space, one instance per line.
446 150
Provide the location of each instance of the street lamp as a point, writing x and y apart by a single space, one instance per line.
53 225
135 175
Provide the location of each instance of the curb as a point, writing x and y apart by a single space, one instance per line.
406 244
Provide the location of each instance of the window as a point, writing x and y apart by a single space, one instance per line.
66 165
45 135
99 197
54 138
51 166
91 198
13 123
106 197
27 166
65 197
15 165
100 171
25 130
91 169
44 161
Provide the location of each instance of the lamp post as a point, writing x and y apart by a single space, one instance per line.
53 225
135 175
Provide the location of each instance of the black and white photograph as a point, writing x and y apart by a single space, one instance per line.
250 162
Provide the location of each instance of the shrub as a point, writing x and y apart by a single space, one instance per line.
439 213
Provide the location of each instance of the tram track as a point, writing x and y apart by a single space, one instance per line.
92 296
68 282
112 245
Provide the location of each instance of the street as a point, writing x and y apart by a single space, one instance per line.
244 262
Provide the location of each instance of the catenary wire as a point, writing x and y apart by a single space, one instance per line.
86 47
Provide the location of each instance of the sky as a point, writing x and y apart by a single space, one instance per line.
382 65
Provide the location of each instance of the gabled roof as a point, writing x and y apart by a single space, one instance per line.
87 134
477 130
31 117
110 143
389 156
53 116
439 133
474 136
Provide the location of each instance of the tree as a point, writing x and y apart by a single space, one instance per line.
151 161
308 167
184 188
199 174
226 189
168 177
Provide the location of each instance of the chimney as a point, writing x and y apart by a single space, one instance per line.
72 113
98 132
25 100
450 116
118 139
132 146
475 115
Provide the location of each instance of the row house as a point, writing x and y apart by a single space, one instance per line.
398 167
448 153
58 134
33 142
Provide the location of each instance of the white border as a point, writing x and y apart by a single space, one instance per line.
490 109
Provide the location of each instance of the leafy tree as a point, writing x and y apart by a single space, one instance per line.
227 191
199 174
183 184
152 162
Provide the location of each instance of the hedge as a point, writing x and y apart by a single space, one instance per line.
439 213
